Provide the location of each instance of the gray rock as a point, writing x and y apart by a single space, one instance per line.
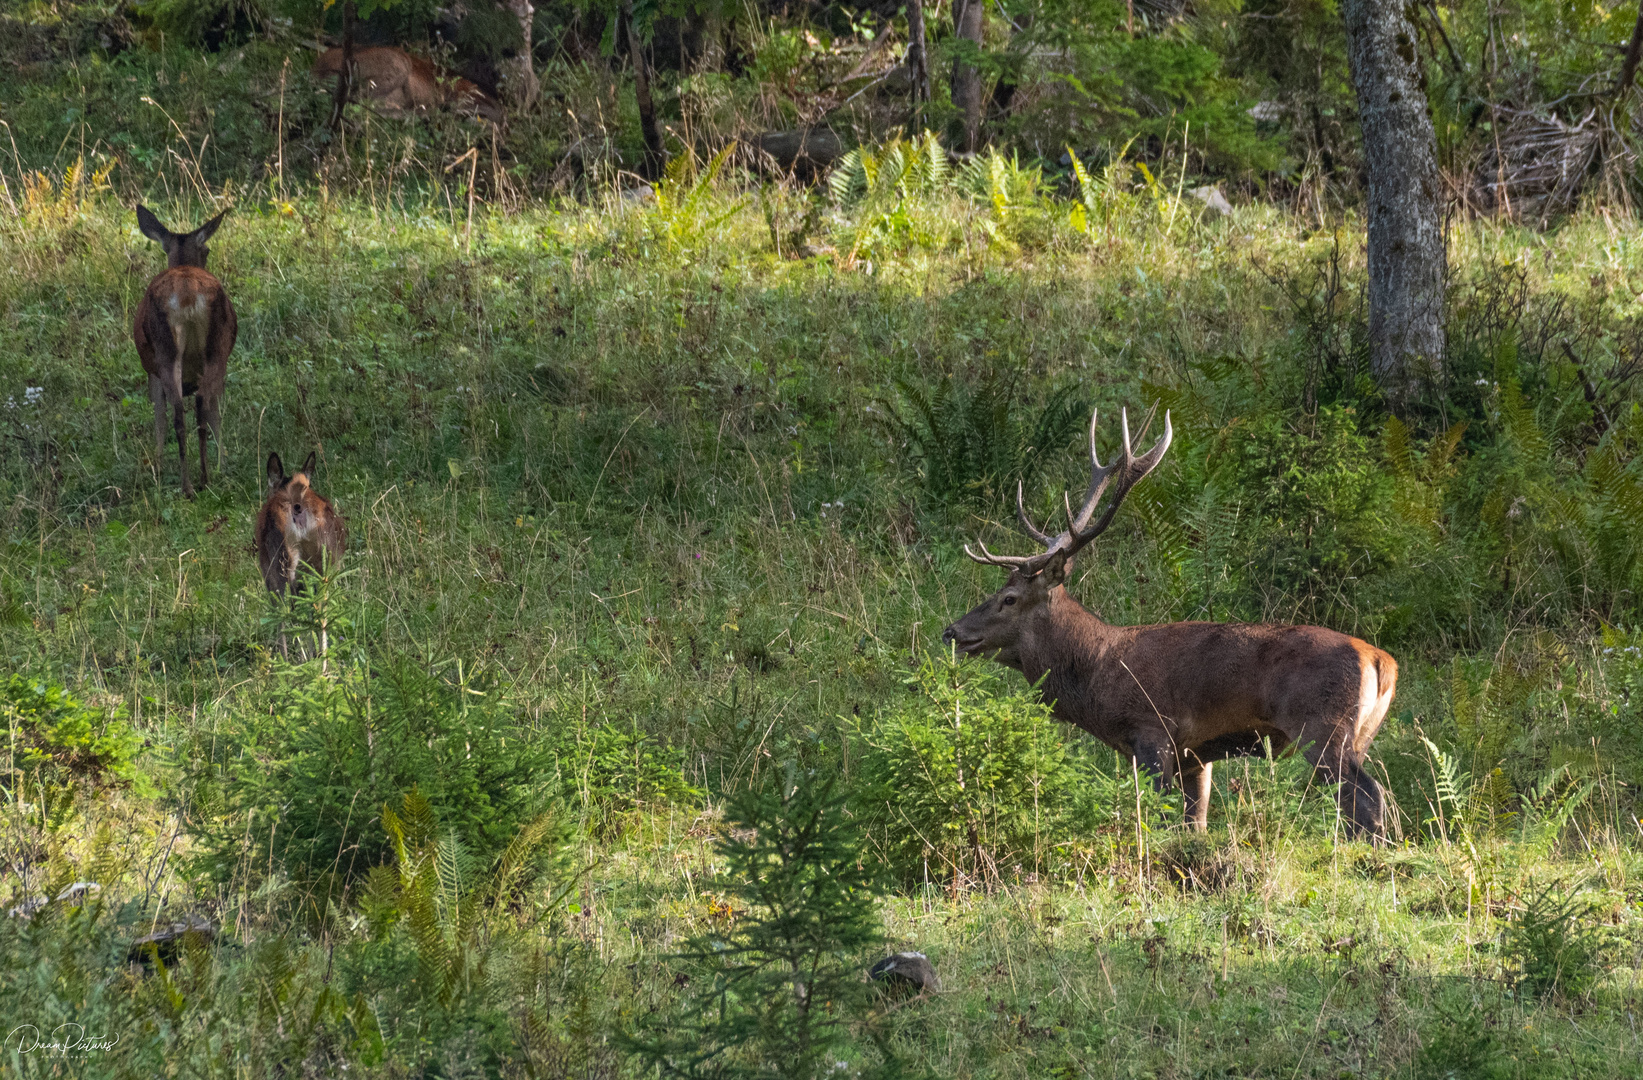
1215 204
168 940
806 153
74 894
907 969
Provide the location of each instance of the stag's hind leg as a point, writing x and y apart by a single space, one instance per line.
1358 795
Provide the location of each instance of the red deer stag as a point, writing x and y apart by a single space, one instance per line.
184 330
403 85
1180 696
296 527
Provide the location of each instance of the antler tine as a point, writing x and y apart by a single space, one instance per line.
1133 469
1099 477
1126 467
1095 462
1027 522
987 558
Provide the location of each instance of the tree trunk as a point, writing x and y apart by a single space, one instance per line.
519 72
967 23
1634 50
1407 261
918 54
345 77
655 151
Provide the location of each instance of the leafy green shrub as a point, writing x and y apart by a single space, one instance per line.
611 772
302 790
1465 1044
52 735
1550 946
781 976
973 444
970 778
1324 496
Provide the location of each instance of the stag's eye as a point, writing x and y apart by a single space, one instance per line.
1008 600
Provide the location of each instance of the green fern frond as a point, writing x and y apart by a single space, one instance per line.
1442 450
1521 425
848 180
1453 787
1400 448
1086 186
421 823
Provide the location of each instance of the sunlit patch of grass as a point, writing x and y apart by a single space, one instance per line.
631 477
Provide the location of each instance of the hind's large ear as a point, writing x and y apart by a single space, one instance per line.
276 471
308 466
203 233
151 227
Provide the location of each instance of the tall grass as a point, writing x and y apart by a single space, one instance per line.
612 479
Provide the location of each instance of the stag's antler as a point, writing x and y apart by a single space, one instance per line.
1126 468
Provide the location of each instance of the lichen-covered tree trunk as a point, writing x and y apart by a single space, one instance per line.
519 72
1407 260
918 55
967 24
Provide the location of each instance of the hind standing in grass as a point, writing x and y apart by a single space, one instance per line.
184 330
296 527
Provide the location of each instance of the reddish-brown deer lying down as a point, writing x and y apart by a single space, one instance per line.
184 330
1179 696
405 85
296 527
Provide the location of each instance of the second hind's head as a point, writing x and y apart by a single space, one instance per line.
293 505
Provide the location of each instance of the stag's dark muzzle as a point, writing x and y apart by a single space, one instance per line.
953 635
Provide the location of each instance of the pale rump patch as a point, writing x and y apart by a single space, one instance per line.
190 324
1373 702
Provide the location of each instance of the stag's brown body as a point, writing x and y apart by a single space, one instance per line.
1178 697
296 527
405 85
184 329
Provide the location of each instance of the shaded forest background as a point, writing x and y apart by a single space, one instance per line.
1527 97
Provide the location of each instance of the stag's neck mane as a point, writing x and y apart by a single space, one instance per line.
1069 645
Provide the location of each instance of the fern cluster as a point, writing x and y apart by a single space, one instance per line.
975 444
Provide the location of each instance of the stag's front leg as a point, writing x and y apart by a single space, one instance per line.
1195 782
1154 755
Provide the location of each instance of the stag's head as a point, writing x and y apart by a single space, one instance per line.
1006 624
181 249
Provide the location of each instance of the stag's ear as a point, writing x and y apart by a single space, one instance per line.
308 466
203 233
151 227
276 471
1059 566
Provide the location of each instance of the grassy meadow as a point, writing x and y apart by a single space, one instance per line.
655 505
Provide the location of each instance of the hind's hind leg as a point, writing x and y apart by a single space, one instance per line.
1359 796
201 419
182 449
156 394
